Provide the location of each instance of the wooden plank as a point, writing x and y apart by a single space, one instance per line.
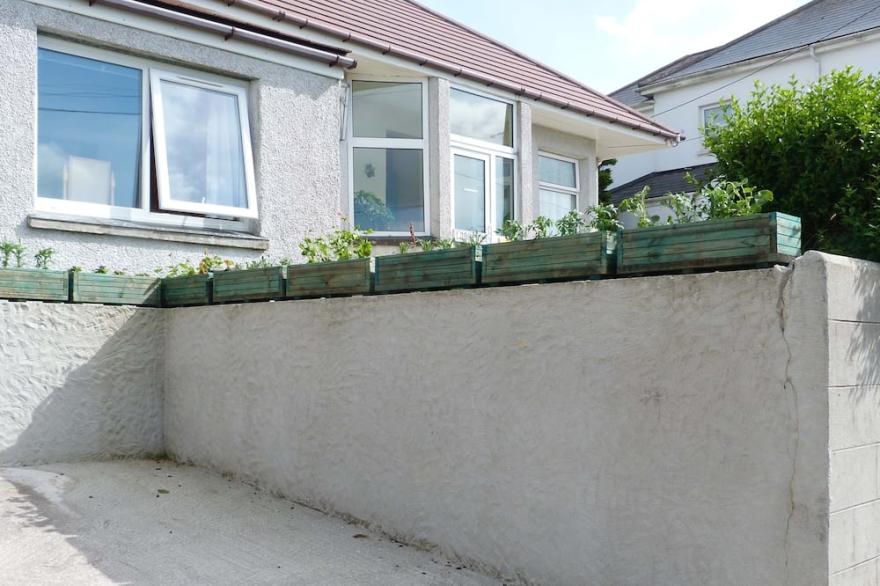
578 256
349 277
437 269
731 242
34 284
116 289
249 285
186 291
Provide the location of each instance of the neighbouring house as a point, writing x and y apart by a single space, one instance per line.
136 132
688 94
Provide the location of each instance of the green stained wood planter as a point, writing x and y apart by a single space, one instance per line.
348 277
185 291
34 284
420 271
545 259
730 242
249 285
115 289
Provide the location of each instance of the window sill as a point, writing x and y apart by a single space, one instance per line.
107 227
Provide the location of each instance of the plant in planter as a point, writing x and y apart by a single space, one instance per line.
342 244
338 264
9 251
43 258
637 205
19 283
513 230
570 223
542 227
603 217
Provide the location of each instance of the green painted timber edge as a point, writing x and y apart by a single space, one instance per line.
187 291
782 245
249 285
422 271
115 289
347 277
34 284
577 256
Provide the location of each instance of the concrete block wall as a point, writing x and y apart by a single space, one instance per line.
854 415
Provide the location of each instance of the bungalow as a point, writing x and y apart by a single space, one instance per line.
688 94
140 133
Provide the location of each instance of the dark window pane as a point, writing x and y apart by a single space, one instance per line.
389 189
480 118
386 110
89 130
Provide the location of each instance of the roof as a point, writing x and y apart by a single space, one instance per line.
410 31
661 182
814 22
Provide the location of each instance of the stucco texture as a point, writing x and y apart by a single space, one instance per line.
79 382
664 430
295 119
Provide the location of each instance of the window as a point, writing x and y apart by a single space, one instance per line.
715 115
483 163
387 156
557 185
97 112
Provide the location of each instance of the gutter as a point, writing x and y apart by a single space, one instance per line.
279 15
230 32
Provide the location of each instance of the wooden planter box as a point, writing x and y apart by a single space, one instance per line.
33 284
184 291
348 277
732 242
249 285
437 269
115 289
544 259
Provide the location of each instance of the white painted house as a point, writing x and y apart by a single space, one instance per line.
137 133
812 40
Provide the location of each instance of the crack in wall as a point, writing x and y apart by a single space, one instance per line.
787 385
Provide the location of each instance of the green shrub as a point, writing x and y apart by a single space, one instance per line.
344 244
817 148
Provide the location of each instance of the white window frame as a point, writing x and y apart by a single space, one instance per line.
141 214
390 143
708 107
166 202
471 147
547 186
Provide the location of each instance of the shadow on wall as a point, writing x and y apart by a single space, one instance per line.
79 382
863 353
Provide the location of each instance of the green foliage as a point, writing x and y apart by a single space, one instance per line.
213 263
570 223
404 247
817 147
102 270
341 244
513 230
475 239
542 227
603 216
372 211
10 250
637 205
719 198
44 257
437 244
75 269
605 180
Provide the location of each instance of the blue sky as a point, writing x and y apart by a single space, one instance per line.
609 43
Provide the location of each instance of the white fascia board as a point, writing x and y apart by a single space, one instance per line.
185 33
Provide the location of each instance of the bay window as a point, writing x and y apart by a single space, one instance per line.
483 163
557 185
97 113
387 156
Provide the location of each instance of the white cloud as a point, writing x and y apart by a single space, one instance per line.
662 31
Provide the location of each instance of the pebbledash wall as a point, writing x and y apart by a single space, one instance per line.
715 428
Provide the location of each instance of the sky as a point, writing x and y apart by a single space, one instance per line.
607 44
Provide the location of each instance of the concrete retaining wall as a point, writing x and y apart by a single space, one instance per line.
79 382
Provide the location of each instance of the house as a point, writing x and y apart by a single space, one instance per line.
141 133
688 94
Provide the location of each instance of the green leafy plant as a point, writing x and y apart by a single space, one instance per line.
75 269
569 224
603 216
182 269
9 251
817 148
436 244
343 244
637 205
372 211
213 263
605 180
542 227
513 230
44 257
403 247
120 273
718 199
102 270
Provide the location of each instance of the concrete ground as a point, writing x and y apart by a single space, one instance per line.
149 522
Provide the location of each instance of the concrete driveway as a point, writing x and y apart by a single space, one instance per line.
149 522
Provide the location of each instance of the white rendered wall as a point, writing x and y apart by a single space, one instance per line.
665 430
863 54
79 382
